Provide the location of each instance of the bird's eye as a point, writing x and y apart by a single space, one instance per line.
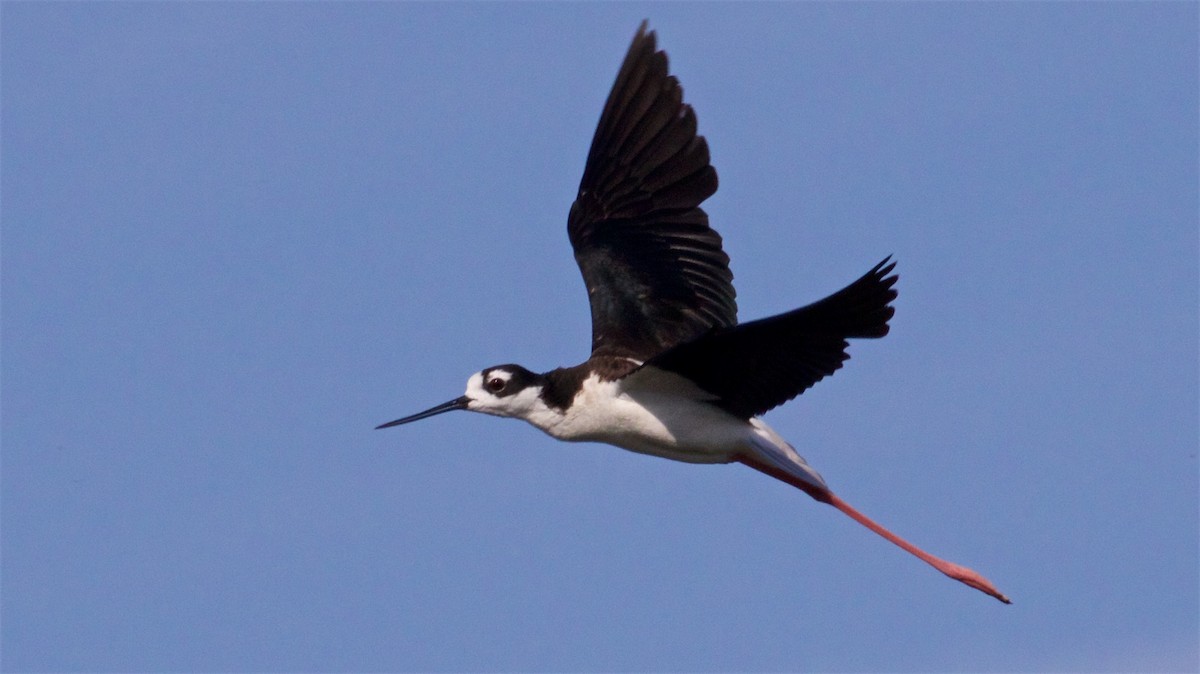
495 385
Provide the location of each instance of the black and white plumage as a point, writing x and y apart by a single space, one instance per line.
671 372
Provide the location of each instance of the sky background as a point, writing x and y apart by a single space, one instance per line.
236 237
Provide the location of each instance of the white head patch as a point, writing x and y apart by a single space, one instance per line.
504 393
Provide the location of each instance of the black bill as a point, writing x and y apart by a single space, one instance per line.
456 404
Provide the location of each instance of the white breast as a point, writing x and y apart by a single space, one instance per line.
650 412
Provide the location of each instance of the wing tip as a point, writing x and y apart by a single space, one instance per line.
645 36
880 271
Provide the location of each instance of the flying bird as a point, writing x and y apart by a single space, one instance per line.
672 373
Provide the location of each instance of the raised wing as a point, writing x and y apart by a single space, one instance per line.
655 272
756 366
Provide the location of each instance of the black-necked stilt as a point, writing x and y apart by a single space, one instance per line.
672 373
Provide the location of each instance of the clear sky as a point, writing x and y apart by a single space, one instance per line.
237 236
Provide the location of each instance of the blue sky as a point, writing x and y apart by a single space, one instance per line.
236 237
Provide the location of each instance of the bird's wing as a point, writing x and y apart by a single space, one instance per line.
655 272
756 366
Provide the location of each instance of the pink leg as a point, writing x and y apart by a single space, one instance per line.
960 573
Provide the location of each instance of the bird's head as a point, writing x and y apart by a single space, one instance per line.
503 391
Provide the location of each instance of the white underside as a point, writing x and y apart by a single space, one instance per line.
658 413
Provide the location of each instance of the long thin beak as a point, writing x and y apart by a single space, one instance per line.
456 404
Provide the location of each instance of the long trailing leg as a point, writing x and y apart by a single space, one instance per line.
958 572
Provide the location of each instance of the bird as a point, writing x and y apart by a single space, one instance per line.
672 373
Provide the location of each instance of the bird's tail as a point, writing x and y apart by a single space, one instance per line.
771 454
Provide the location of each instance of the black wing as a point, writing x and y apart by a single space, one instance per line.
655 272
758 365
